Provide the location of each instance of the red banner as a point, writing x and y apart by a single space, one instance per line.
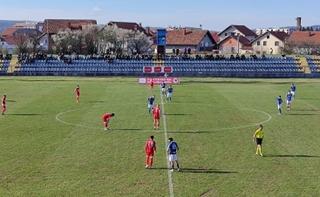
159 80
157 69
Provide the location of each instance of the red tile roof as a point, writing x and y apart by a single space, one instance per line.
242 40
215 36
130 26
12 34
9 31
242 28
53 26
185 37
305 37
8 35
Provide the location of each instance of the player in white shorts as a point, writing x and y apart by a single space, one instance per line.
172 151
279 104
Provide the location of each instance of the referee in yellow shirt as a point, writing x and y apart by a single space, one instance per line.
258 137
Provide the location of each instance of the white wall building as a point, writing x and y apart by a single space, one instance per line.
270 43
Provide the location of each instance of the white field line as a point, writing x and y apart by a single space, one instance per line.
170 182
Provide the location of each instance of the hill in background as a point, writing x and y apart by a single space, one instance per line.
7 23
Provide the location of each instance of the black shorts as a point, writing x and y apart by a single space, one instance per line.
259 141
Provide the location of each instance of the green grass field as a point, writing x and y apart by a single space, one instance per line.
212 120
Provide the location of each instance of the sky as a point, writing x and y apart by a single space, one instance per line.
211 14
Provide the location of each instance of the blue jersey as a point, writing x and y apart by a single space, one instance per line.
279 100
172 148
293 88
170 90
151 100
289 96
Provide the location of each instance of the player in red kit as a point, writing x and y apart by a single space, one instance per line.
150 148
106 118
77 93
3 104
151 84
156 117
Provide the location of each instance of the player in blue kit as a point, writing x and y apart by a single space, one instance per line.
172 151
289 100
279 102
151 100
293 89
169 93
163 88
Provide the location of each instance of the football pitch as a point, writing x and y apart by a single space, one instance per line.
52 146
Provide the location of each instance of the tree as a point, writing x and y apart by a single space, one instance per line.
90 35
121 41
112 39
138 42
68 42
21 42
33 43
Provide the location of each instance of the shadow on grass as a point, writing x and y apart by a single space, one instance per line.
289 156
235 82
41 80
306 110
25 114
96 101
199 170
178 114
193 132
302 114
206 171
129 129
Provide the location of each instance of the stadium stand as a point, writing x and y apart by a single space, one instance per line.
314 63
4 65
231 67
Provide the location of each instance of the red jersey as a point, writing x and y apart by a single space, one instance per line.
150 147
151 84
4 100
77 91
156 112
106 117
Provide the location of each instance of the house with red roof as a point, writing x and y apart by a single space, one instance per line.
13 36
51 27
271 42
235 45
305 42
133 26
185 40
215 36
235 30
6 46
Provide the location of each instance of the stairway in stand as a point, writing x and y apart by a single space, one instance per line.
303 62
14 64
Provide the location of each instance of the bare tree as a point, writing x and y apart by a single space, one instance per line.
21 42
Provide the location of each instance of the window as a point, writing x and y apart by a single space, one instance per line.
268 36
264 43
276 43
233 33
226 34
258 43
